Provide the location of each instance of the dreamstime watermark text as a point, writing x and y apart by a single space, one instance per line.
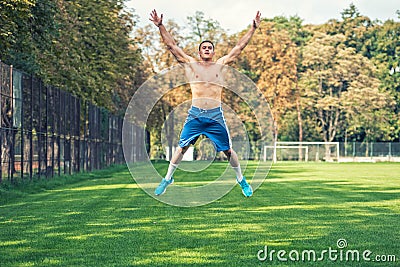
338 253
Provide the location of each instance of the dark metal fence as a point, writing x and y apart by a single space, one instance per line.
45 131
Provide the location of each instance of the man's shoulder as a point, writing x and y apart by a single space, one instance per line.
221 60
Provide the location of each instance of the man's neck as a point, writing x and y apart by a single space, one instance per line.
206 62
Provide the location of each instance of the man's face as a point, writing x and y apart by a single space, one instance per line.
206 51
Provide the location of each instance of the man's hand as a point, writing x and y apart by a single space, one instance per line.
155 18
256 20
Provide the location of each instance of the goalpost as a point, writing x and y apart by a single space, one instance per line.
289 147
299 151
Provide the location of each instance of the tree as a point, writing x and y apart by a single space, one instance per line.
355 28
299 35
157 58
271 62
385 51
94 52
380 43
339 85
9 25
81 46
10 10
201 29
26 33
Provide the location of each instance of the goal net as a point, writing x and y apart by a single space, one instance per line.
302 151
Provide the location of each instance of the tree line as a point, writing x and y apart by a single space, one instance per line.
337 81
82 46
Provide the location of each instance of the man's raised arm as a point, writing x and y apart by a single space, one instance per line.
168 40
235 52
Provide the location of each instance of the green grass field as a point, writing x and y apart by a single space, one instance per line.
104 219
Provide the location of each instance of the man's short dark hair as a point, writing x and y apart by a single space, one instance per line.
206 41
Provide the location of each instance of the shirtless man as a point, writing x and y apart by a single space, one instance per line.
205 116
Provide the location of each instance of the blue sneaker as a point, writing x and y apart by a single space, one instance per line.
163 186
246 188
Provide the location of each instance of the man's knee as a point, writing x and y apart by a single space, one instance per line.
228 152
183 150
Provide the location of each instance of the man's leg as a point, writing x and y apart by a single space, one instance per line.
173 164
234 161
175 160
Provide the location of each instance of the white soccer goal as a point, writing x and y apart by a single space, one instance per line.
302 151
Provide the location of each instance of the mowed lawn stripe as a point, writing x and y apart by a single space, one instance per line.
105 219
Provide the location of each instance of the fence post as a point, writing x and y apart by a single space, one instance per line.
31 159
85 143
372 149
52 105
22 130
77 135
46 132
38 132
111 123
1 121
11 150
59 117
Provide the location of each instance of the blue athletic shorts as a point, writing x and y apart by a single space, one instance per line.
211 123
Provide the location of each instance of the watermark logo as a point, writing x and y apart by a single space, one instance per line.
340 253
341 243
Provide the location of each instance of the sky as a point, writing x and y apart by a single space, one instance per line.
235 16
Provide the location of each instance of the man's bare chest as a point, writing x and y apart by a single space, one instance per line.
198 73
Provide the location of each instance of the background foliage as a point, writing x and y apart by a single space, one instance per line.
336 81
